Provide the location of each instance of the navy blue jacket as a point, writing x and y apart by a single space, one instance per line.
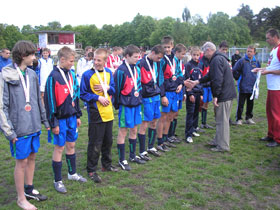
193 72
125 89
243 68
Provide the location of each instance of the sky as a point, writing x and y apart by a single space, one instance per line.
98 12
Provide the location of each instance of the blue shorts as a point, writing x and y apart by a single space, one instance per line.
180 104
68 132
129 117
207 95
151 108
173 102
25 145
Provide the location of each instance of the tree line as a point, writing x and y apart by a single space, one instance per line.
240 30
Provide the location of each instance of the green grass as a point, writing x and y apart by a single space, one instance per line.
188 177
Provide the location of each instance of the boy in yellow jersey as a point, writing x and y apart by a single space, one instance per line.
97 85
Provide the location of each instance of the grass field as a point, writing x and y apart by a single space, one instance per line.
188 177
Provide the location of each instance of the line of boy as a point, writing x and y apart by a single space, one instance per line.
172 68
21 115
138 100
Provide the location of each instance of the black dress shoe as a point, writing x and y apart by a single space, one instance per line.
266 139
273 144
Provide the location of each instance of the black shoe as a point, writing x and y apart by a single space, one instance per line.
110 168
273 144
137 160
35 195
153 151
267 138
94 177
169 144
124 165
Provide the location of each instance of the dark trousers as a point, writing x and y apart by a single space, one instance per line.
100 140
242 97
192 115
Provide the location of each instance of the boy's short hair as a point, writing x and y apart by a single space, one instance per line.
22 49
195 49
273 32
4 49
167 40
180 48
252 47
130 50
115 49
223 44
88 47
65 52
158 49
100 51
46 50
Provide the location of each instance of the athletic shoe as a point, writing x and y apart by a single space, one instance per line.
189 140
169 144
166 148
153 151
59 187
199 130
212 143
238 122
124 165
206 126
163 148
195 134
217 149
144 156
77 177
94 177
250 122
35 195
137 160
110 168
176 139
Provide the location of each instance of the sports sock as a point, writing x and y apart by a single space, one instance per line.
28 189
142 142
160 141
170 131
121 151
203 116
164 137
71 163
57 170
174 127
152 137
132 148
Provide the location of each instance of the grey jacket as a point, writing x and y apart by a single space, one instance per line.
14 120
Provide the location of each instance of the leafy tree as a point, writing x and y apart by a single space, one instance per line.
246 12
181 32
55 25
123 35
27 29
88 35
67 28
274 18
200 34
242 35
186 15
106 34
11 35
144 31
2 42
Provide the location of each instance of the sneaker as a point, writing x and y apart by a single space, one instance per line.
206 126
199 130
137 160
59 187
144 156
110 168
176 139
35 195
153 151
95 177
195 134
77 177
169 144
238 122
166 148
160 148
212 143
124 165
250 122
189 140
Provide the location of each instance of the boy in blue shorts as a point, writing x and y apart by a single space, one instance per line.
97 87
63 112
21 114
173 84
193 72
151 81
128 100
